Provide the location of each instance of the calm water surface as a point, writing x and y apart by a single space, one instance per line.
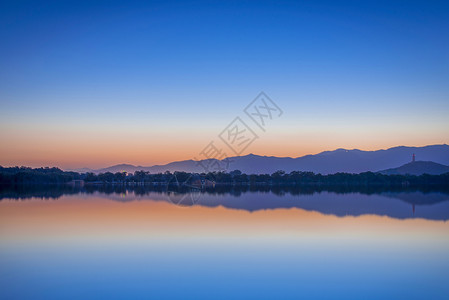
232 245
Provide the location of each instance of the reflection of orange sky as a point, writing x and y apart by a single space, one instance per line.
100 218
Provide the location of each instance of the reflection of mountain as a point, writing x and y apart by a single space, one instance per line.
401 204
418 168
352 204
418 198
340 160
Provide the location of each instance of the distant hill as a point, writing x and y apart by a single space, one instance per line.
120 168
418 168
328 162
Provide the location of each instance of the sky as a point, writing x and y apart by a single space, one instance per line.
97 83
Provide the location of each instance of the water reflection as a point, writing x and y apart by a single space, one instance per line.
264 243
398 203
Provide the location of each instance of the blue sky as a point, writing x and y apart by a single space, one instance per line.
353 74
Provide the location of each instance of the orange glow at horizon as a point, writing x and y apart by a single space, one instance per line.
103 149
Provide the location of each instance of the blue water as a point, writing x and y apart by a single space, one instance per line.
369 257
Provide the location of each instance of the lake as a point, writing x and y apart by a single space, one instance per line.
223 243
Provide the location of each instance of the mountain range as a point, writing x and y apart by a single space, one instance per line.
418 168
327 162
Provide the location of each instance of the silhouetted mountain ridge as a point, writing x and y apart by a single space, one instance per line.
327 162
418 168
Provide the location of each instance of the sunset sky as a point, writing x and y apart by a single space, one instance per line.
96 84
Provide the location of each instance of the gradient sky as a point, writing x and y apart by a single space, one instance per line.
95 84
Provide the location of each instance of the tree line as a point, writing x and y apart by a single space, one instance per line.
25 175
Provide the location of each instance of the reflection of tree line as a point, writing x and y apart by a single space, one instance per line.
56 191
